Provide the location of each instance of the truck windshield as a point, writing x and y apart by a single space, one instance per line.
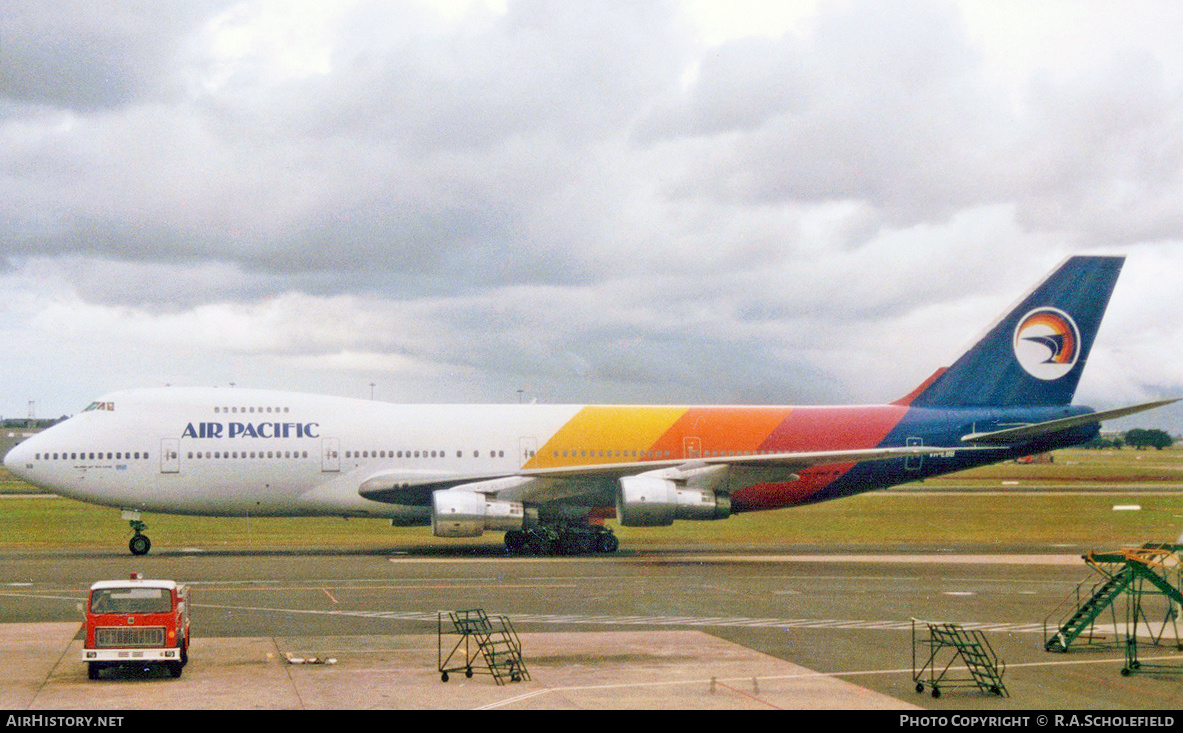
131 600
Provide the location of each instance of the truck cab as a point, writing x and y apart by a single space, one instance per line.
136 623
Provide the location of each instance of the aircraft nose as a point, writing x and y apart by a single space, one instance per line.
14 460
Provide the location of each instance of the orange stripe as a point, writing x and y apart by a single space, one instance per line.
597 433
726 430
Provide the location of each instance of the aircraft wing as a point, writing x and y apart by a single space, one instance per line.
790 461
553 484
1026 433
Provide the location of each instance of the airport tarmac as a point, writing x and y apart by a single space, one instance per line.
676 628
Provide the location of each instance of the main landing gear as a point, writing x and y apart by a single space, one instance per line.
139 544
561 539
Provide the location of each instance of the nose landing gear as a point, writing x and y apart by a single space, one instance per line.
139 544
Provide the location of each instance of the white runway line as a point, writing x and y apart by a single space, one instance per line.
690 621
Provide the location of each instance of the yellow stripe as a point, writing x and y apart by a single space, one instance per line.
605 429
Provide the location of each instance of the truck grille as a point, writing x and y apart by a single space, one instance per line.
113 637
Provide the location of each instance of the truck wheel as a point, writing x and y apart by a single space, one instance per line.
93 669
607 542
515 541
139 544
174 669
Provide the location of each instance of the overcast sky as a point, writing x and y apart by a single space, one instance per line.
461 201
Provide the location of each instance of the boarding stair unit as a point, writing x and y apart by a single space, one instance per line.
486 645
1131 572
939 645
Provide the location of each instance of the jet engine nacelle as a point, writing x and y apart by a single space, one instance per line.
463 513
652 501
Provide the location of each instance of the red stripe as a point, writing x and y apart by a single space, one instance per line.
818 429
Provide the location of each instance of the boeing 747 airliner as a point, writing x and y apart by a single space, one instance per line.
548 475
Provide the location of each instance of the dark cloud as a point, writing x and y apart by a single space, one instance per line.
420 162
85 56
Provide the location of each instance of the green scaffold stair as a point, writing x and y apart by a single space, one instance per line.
1086 613
1121 571
940 645
487 645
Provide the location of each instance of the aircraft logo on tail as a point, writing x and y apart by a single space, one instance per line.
1047 343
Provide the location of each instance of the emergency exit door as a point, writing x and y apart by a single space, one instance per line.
170 455
330 460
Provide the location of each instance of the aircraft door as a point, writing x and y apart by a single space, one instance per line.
691 447
330 461
527 448
170 455
913 463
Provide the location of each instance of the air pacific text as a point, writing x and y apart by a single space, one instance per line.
252 430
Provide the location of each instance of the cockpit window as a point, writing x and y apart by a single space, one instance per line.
107 406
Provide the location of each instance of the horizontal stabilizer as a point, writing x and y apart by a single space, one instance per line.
1027 433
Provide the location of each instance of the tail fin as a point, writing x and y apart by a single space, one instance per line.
1036 353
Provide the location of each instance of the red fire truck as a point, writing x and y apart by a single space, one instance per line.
136 622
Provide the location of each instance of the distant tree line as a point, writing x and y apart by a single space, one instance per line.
1138 438
31 423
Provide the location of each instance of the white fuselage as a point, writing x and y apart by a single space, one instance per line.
234 452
